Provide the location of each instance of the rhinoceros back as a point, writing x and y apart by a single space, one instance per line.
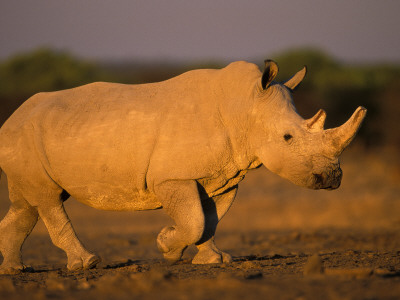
95 141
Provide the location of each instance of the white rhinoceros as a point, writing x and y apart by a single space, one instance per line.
183 145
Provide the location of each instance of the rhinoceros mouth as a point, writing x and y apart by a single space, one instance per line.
330 188
327 180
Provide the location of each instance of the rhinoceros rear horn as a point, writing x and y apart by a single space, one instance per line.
317 122
343 135
270 72
293 82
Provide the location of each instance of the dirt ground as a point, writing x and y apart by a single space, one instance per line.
287 243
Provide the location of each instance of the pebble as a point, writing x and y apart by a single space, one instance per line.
54 284
83 284
383 272
313 265
249 265
254 275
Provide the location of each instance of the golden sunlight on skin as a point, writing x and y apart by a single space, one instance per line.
182 145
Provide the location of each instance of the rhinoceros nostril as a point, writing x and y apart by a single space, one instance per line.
319 179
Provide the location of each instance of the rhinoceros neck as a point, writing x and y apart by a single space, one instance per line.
236 106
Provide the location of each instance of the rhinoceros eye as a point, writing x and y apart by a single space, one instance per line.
287 137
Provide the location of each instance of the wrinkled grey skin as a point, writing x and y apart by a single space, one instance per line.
183 145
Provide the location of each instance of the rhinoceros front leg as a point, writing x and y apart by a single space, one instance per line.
181 200
214 209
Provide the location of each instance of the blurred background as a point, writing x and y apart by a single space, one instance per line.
351 49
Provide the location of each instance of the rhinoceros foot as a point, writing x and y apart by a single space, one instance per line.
210 254
171 251
83 263
11 270
173 256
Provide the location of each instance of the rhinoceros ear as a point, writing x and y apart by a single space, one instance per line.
270 72
293 82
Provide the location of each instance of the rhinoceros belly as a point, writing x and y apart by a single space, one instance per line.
112 198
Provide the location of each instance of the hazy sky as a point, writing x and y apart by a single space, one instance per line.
362 30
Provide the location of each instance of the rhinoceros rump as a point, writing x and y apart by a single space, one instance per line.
183 145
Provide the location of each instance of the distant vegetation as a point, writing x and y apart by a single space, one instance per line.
336 87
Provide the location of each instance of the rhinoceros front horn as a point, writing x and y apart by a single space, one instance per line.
342 136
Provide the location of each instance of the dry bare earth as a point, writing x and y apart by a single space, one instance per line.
273 230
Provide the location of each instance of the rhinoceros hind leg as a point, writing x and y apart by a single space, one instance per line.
62 234
88 262
14 228
181 201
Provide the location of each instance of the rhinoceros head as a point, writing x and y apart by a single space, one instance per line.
297 149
